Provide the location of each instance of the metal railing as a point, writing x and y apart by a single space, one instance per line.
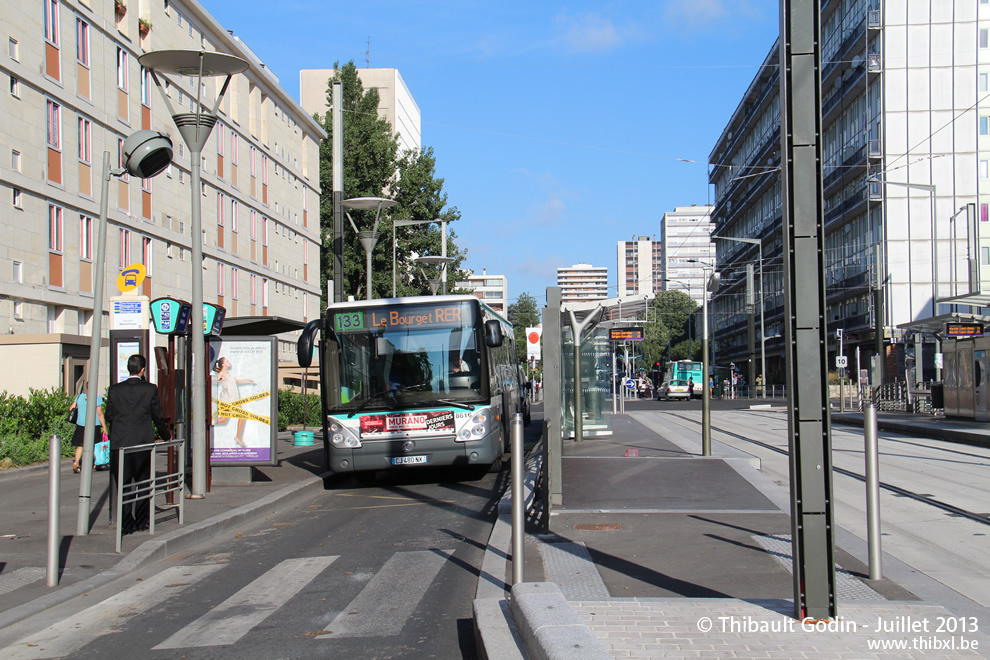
156 484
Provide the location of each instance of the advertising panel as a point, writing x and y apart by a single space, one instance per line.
533 336
244 415
407 423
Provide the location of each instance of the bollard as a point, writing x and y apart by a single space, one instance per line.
518 506
872 490
54 486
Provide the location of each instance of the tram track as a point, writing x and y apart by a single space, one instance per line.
981 518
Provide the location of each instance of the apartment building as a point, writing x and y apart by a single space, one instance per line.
582 283
687 249
395 102
75 91
639 264
906 147
492 289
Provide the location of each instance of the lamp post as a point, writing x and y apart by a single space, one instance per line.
195 128
368 238
443 259
711 286
146 154
930 189
402 223
763 353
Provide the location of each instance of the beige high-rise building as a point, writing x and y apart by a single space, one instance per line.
582 283
76 90
395 102
493 290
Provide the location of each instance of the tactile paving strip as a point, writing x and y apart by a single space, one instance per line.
569 564
20 578
847 586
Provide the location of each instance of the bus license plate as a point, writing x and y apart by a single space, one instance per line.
408 460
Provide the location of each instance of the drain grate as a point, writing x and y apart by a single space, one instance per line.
598 527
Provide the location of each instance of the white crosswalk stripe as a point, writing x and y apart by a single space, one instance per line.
391 597
236 616
108 616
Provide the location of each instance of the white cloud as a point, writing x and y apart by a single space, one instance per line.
590 33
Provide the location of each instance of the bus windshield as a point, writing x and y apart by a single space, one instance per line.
405 356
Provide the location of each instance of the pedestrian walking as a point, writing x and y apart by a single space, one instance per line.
134 414
79 404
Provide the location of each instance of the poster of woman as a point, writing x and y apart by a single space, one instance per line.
243 405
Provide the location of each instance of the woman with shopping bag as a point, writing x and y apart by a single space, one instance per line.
79 406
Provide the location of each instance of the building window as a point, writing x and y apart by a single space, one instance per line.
15 197
15 160
124 258
15 88
984 125
18 274
146 87
984 214
121 69
12 49
147 254
85 140
220 278
233 216
51 22
55 239
233 282
984 34
984 169
85 237
54 125
984 82
82 42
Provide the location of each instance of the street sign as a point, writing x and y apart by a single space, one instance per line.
841 361
626 334
630 383
170 316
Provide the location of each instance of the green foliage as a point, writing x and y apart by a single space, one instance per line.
26 423
290 409
669 318
523 314
373 167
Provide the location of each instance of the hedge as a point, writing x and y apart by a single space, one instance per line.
26 423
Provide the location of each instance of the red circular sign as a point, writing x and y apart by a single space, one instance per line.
534 338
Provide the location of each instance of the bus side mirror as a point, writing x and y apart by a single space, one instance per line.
493 334
304 347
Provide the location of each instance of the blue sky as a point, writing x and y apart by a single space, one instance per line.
560 128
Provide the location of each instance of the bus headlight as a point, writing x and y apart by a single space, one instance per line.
341 436
476 429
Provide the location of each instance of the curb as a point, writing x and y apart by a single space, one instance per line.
550 627
167 545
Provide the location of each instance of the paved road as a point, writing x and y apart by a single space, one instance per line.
385 570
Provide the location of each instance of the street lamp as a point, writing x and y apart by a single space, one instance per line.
195 128
443 259
402 223
368 238
930 189
763 354
146 154
711 286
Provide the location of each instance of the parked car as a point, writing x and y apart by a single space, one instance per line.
674 389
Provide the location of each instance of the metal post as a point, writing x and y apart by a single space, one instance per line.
337 147
518 508
197 426
54 486
750 325
872 490
615 384
878 317
706 395
93 387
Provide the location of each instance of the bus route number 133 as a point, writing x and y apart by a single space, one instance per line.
349 321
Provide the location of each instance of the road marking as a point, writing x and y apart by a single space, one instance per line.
389 599
235 617
109 616
632 452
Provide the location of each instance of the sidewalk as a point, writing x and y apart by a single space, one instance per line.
659 552
89 561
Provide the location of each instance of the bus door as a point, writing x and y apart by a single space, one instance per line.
980 385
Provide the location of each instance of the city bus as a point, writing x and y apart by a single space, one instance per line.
688 370
418 381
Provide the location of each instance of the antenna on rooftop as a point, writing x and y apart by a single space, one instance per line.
367 54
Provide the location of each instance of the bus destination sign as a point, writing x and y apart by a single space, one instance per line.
963 330
626 334
404 318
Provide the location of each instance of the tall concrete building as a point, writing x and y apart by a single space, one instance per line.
76 90
906 147
687 246
639 266
395 101
493 290
582 283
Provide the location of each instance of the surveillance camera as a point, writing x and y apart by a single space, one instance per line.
147 153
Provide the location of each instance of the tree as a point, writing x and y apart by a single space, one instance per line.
419 196
370 165
669 316
373 167
523 314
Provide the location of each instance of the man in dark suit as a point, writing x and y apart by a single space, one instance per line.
133 412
